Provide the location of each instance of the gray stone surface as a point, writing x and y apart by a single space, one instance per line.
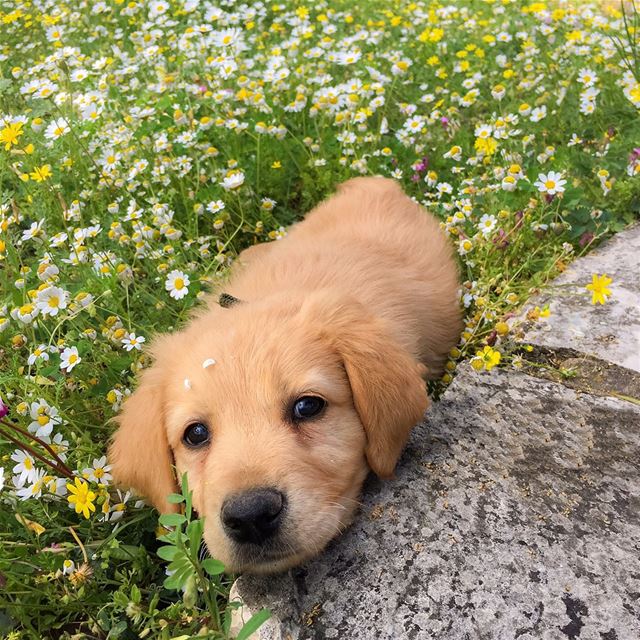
515 514
611 331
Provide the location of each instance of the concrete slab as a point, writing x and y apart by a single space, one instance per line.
515 514
610 332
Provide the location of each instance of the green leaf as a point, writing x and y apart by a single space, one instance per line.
180 563
213 567
135 594
163 103
187 494
175 498
194 531
254 623
5 83
119 628
168 537
120 599
167 553
178 579
172 519
190 595
172 582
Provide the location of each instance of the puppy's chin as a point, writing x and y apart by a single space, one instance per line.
273 557
267 563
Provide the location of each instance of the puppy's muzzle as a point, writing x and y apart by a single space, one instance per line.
253 516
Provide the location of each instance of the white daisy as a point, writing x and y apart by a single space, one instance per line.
487 224
550 183
116 511
39 354
34 231
68 567
33 490
26 313
57 129
233 180
464 246
51 300
69 358
215 205
538 114
587 77
43 418
25 469
98 471
132 341
227 37
158 8
483 131
177 284
56 486
348 57
509 183
60 446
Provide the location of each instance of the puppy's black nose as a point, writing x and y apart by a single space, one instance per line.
253 516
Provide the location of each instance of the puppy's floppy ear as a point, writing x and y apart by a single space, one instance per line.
139 452
389 392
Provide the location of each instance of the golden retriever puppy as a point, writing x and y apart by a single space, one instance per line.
278 406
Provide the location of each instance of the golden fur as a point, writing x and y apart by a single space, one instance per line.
358 304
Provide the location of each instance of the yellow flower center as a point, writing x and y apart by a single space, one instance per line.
550 184
37 487
178 283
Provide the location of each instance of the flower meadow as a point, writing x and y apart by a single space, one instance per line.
144 143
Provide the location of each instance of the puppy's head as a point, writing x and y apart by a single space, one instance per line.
278 434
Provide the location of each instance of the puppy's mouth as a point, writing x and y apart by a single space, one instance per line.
254 555
264 558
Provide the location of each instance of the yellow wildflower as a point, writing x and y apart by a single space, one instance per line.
10 134
502 328
599 288
81 497
39 174
486 359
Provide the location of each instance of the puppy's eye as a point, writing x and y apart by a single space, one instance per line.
196 434
307 407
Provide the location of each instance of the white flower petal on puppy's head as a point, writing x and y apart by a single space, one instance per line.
209 362
187 384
